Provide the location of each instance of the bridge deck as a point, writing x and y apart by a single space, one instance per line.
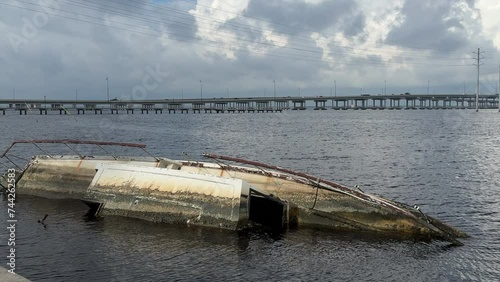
250 104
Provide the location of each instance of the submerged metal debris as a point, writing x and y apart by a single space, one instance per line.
218 194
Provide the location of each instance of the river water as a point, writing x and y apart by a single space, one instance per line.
446 161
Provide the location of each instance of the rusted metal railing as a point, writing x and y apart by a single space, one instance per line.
66 142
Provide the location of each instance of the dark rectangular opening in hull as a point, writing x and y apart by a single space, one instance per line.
94 208
266 211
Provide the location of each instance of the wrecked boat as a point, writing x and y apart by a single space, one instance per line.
224 192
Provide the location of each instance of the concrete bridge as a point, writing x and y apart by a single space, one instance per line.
251 104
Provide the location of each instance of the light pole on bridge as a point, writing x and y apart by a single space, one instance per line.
107 88
201 90
428 84
331 95
274 82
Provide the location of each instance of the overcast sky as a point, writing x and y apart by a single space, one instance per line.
163 49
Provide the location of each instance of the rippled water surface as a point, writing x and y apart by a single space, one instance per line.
446 161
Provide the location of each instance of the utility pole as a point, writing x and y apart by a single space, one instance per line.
478 64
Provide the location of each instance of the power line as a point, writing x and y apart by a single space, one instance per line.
289 26
234 49
307 39
181 25
236 25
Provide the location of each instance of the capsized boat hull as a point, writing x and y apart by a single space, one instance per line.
306 202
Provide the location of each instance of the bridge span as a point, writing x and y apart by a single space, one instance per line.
251 104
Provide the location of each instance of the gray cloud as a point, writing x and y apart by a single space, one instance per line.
354 25
432 25
295 16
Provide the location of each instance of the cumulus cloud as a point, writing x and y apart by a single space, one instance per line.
440 26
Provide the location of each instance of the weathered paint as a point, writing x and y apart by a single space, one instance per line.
168 195
138 189
66 176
